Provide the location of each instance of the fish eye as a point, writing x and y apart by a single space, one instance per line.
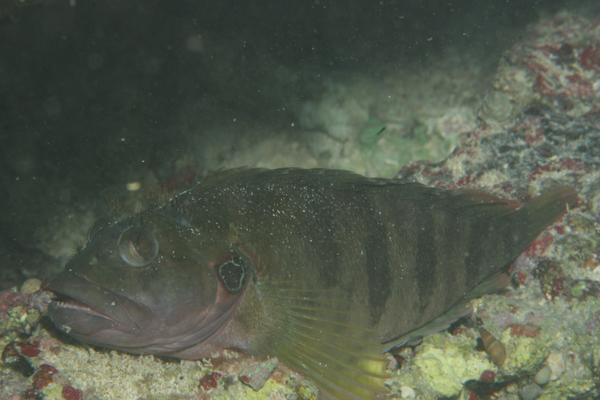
232 274
137 246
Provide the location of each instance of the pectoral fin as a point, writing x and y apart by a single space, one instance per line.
345 359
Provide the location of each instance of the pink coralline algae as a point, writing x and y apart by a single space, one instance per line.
43 376
210 381
564 64
70 393
590 57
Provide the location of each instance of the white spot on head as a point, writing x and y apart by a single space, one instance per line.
133 186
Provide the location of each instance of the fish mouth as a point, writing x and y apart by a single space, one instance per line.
64 302
93 314
99 316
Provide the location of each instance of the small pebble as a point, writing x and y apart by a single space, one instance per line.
307 392
530 392
556 363
257 374
31 286
543 376
406 392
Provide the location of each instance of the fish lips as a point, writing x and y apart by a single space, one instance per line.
93 314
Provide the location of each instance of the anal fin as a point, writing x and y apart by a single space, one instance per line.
462 308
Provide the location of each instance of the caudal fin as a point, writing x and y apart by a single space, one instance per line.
543 210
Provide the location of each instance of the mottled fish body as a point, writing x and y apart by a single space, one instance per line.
325 269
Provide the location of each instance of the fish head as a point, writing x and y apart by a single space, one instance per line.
149 284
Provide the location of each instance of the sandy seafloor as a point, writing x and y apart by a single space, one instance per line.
524 121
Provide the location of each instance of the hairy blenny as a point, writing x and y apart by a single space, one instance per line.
324 269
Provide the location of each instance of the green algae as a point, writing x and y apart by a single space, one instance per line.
372 132
578 376
270 390
306 392
443 364
389 149
19 320
523 354
53 392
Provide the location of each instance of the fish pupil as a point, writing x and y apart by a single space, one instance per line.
137 246
233 274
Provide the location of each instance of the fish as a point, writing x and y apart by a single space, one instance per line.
327 270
